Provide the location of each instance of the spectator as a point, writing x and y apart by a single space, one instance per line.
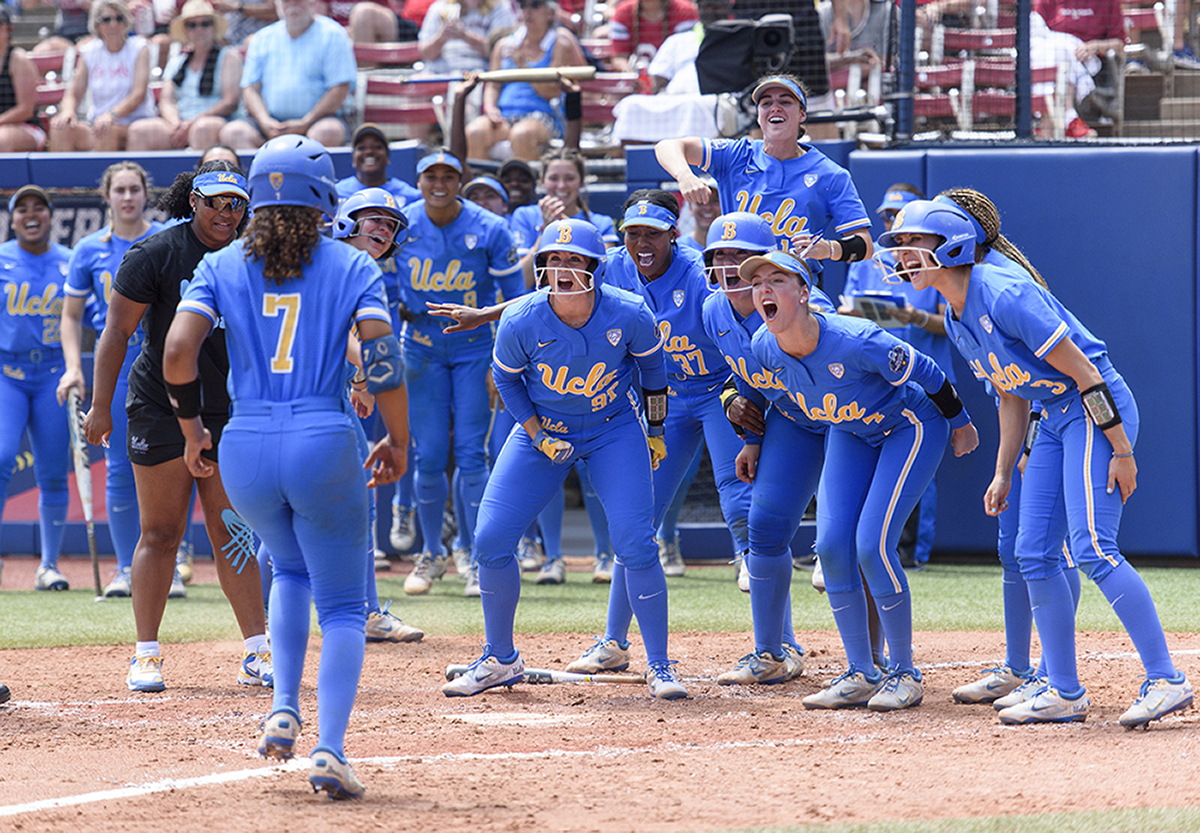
115 68
372 21
1080 34
519 113
200 87
70 25
455 35
297 75
639 28
370 159
19 128
870 23
244 19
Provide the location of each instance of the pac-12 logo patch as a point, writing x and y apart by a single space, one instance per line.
810 180
986 323
614 337
276 180
837 369
898 358
471 240
677 296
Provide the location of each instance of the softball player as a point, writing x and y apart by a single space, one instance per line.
563 176
292 466
1019 337
32 357
93 264
563 363
890 410
793 186
146 290
670 279
458 253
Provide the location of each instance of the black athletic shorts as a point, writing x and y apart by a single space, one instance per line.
154 435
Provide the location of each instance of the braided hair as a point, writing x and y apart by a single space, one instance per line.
988 216
283 237
637 24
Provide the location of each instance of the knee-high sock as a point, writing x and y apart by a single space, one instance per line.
1131 601
431 495
850 613
500 588
895 612
789 633
289 620
124 521
342 651
52 523
471 484
266 574
1018 621
616 625
1054 613
647 593
770 596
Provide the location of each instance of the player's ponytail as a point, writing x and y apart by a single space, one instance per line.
283 237
988 216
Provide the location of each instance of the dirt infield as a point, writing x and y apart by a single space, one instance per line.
570 757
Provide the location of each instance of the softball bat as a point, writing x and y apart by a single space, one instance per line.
547 676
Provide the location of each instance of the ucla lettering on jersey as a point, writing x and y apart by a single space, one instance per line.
19 302
763 379
424 279
783 224
828 410
592 386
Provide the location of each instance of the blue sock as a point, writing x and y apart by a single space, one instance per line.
124 522
266 574
52 523
431 507
770 594
1131 601
620 614
500 588
1054 613
895 612
1072 577
471 485
372 590
647 592
850 613
1018 620
337 684
789 634
289 620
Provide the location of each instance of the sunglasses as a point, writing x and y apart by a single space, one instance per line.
110 19
198 24
222 202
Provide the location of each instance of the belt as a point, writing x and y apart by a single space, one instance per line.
279 410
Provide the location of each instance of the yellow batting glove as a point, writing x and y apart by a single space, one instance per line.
658 449
557 450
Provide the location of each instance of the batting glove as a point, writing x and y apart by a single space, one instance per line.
657 444
557 450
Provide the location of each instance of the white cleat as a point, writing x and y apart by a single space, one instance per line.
1157 699
484 673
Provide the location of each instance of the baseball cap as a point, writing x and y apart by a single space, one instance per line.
368 129
779 81
24 191
515 165
439 158
778 258
895 200
486 182
644 213
220 182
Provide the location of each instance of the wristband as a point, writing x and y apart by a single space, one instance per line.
1100 406
573 106
655 402
185 399
1123 456
854 249
1031 431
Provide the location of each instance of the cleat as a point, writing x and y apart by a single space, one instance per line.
278 738
49 578
472 590
530 554
382 563
764 669
994 684
383 626
427 568
602 569
670 557
404 531
664 682
328 772
818 577
178 590
849 691
486 672
145 674
553 571
256 669
1156 699
604 655
901 689
1021 693
184 563
743 576
462 561
121 586
1047 706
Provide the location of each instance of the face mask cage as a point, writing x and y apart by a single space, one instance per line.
546 280
896 273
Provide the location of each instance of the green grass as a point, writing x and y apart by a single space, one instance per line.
1159 819
945 598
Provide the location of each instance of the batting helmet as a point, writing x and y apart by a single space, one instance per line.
942 219
293 170
573 236
345 225
742 230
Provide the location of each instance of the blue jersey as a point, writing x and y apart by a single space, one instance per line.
287 342
464 262
527 227
689 242
32 300
867 276
859 378
398 188
1008 326
793 195
94 262
676 298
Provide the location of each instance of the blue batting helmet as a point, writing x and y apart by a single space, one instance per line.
293 170
344 225
576 236
742 230
943 219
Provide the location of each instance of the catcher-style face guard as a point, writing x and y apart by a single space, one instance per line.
565 276
902 269
381 229
723 276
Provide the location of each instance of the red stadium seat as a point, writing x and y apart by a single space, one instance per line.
401 54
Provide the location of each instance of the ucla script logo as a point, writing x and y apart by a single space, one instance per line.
598 385
762 379
689 357
828 410
1006 379
20 302
782 222
424 279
